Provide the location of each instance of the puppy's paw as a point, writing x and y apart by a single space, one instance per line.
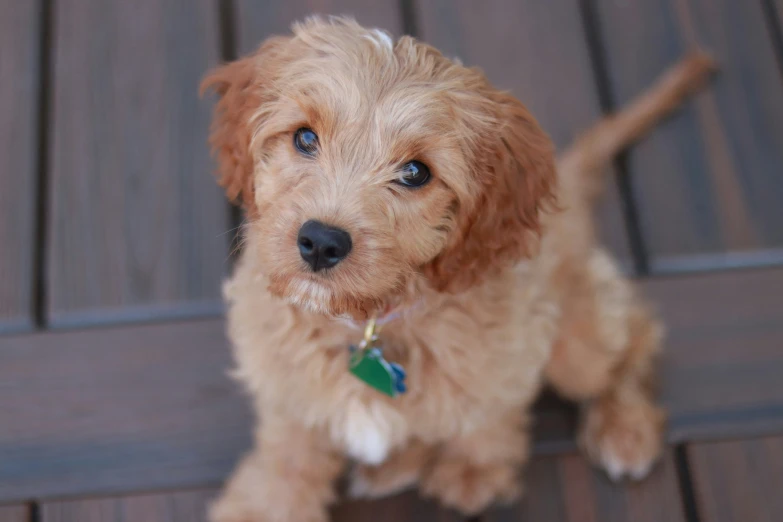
624 439
228 509
399 472
380 481
471 488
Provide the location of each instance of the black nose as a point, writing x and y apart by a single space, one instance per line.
323 246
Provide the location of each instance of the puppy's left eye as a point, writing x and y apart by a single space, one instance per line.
306 141
414 174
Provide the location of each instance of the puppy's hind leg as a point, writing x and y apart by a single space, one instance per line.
604 359
608 341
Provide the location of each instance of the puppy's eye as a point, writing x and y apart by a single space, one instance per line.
414 174
306 141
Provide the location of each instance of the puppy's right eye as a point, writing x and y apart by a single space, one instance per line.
306 141
414 174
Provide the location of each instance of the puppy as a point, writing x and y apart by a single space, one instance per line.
385 184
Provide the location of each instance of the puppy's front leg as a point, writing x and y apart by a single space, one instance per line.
287 477
473 471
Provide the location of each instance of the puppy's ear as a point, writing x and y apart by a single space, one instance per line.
517 181
243 87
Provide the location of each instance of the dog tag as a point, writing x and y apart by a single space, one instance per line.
367 363
370 366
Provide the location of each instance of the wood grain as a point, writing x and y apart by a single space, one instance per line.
192 506
722 360
118 409
738 480
259 19
778 4
136 221
15 514
179 506
707 183
538 50
20 24
565 489
405 506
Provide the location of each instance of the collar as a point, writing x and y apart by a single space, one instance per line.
390 314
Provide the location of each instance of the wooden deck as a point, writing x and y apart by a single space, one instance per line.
114 403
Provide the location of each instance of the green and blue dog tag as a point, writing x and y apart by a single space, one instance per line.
368 364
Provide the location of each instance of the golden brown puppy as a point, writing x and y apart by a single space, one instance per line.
381 179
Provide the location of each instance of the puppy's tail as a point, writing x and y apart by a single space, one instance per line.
583 161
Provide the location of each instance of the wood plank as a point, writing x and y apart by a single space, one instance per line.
109 410
16 513
406 506
178 506
565 489
258 20
707 183
538 50
137 222
192 506
20 24
778 4
106 410
722 361
738 480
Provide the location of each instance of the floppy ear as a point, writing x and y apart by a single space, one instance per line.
518 179
243 86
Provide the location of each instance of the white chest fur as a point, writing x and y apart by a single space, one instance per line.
368 431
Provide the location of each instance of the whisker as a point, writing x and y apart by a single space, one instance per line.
243 223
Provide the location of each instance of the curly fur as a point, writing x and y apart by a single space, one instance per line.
492 265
